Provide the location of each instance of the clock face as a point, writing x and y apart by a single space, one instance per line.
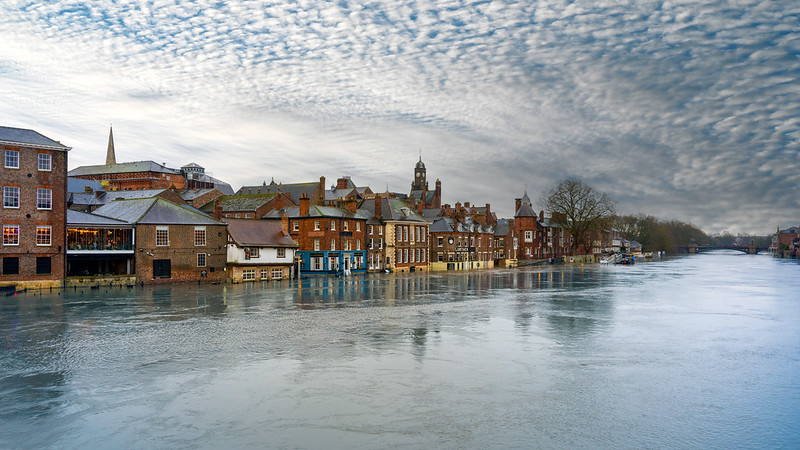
419 174
450 240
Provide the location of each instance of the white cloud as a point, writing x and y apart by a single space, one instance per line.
660 106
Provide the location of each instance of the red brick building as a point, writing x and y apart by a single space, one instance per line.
173 242
34 212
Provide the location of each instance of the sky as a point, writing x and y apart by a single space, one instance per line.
682 110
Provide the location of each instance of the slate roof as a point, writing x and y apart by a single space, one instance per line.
293 212
258 233
156 211
293 190
502 227
219 185
525 210
78 185
127 167
21 136
240 202
77 218
417 195
442 225
393 209
192 194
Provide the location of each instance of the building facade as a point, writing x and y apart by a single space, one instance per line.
34 212
260 250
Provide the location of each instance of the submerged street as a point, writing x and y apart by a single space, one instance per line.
693 351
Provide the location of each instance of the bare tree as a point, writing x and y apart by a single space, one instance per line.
579 209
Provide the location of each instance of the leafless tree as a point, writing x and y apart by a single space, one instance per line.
579 209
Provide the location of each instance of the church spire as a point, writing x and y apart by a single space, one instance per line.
111 158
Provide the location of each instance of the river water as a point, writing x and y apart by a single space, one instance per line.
700 351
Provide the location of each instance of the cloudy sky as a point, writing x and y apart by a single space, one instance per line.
678 109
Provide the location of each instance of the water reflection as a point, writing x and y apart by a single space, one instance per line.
460 359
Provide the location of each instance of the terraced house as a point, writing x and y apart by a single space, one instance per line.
397 236
34 213
331 240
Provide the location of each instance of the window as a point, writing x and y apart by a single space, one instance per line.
333 245
423 233
10 234
201 260
162 236
43 266
264 274
316 245
44 198
251 252
277 274
346 226
11 266
248 274
295 225
528 236
12 159
199 236
10 197
281 253
45 162
358 226
358 244
399 256
316 225
333 263
247 215
440 241
371 229
380 231
43 234
333 225
423 256
380 244
162 268
316 263
370 244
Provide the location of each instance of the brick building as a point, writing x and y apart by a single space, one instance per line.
460 246
173 242
397 238
246 206
421 197
34 213
529 231
331 240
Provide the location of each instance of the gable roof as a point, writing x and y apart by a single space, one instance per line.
393 209
155 211
525 210
22 136
239 202
294 190
78 218
127 167
293 212
258 233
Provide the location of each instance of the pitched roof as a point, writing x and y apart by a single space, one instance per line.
393 209
78 218
156 211
21 136
192 194
79 185
525 210
239 202
294 190
502 227
442 225
127 167
293 212
258 233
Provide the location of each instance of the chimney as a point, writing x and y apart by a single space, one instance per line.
304 203
378 207
322 190
488 212
517 204
352 205
541 216
278 202
284 224
466 205
341 183
217 210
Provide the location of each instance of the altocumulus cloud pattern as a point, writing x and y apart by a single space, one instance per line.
679 109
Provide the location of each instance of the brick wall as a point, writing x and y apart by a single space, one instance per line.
28 178
182 254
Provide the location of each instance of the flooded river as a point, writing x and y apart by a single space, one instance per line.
699 351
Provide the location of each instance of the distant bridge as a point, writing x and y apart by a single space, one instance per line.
693 248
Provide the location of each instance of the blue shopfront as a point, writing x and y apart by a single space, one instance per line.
332 262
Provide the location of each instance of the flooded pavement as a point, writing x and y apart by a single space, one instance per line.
697 351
